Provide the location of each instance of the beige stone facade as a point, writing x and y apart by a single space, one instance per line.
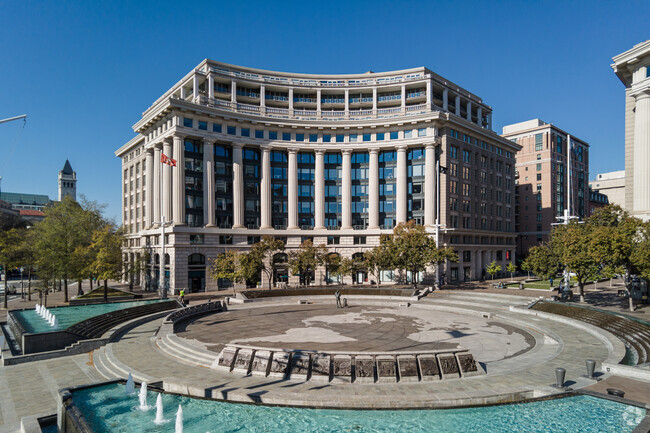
633 69
611 184
542 179
338 159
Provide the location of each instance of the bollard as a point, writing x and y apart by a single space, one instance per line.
559 377
227 300
591 366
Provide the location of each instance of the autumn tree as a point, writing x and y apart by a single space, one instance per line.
107 254
228 266
377 260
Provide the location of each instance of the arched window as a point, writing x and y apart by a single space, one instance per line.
196 259
280 258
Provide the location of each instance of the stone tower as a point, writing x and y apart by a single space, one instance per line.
67 182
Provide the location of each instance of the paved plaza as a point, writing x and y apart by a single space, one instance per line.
519 352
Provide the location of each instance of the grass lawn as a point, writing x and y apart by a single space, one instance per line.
542 285
99 293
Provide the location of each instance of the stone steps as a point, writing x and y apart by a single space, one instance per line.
175 347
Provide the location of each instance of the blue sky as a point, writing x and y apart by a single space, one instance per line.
84 71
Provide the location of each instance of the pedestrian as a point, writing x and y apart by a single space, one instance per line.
181 298
338 299
551 280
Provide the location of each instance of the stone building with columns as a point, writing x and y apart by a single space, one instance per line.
337 159
633 69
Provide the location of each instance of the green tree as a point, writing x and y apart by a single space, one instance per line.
10 257
439 256
350 267
525 267
306 259
411 249
377 260
227 266
107 248
541 261
493 268
572 245
263 252
511 268
332 263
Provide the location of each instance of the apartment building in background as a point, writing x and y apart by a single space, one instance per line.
612 185
335 159
541 171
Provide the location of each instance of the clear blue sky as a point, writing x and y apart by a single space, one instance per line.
84 71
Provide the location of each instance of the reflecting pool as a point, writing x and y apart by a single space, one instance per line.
109 410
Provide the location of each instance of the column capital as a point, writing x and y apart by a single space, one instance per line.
265 148
167 140
293 150
319 151
430 144
346 152
178 136
236 144
401 148
373 150
208 141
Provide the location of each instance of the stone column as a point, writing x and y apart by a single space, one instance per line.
195 86
374 99
403 97
148 188
479 114
237 187
346 190
319 190
445 99
373 190
233 91
469 110
210 86
262 95
166 189
347 102
430 185
178 174
318 102
155 193
489 121
457 105
401 185
641 174
208 184
291 100
265 192
292 194
429 96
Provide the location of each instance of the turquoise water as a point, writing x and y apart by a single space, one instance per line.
68 316
109 410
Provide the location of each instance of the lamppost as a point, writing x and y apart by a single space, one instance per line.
439 170
22 286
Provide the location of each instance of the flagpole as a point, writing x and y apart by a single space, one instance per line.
162 289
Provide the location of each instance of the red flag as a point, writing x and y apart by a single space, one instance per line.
167 160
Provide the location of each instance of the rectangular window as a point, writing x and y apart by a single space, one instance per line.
408 133
539 167
333 240
187 122
259 133
327 138
422 132
313 138
359 240
216 127
245 132
539 142
286 136
273 135
300 137
380 136
340 138
367 137
225 240
453 152
353 138
232 130
203 125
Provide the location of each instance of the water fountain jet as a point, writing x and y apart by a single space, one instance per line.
130 387
179 420
143 396
159 411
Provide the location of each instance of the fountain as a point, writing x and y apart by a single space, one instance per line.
130 388
55 323
38 309
179 420
159 411
143 396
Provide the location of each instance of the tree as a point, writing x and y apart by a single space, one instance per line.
541 261
332 263
572 245
439 256
525 267
350 267
493 268
306 259
410 248
107 248
511 268
227 266
58 235
9 255
263 251
377 260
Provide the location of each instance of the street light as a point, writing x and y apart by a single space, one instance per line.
22 286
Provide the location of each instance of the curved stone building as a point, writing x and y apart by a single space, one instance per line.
339 159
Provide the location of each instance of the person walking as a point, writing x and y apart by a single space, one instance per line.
338 299
181 298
